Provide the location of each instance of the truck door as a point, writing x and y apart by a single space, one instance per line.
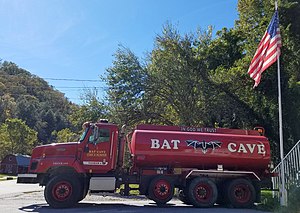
98 150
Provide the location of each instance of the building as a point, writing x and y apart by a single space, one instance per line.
14 164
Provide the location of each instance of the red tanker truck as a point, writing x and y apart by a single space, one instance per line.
206 165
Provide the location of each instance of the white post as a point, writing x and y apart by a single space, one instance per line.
283 192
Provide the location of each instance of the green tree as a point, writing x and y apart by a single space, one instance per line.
177 88
198 79
254 17
16 137
126 80
92 111
7 107
65 135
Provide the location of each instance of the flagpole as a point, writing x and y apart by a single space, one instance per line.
283 193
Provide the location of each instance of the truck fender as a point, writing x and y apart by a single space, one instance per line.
77 166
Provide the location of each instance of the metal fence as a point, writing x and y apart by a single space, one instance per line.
291 164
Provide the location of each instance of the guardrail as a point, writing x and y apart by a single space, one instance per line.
291 164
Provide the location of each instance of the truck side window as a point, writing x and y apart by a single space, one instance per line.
104 135
99 136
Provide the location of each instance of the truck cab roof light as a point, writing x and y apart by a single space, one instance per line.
261 130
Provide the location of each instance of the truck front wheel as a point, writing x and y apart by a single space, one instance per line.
241 193
62 191
202 192
161 190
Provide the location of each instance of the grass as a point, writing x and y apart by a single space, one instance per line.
268 203
272 204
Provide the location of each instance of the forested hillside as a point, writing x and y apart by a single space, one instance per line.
32 112
32 100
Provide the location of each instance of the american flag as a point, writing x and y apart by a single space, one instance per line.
267 52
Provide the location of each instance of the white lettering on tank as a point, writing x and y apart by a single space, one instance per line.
246 148
175 142
165 144
251 147
261 149
155 144
242 148
230 147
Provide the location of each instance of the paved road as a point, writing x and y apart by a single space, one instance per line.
29 198
10 187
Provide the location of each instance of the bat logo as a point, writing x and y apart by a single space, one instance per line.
203 145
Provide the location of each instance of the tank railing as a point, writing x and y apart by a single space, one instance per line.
291 164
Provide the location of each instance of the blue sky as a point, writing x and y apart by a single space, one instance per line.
76 39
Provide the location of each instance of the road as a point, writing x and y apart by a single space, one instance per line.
29 198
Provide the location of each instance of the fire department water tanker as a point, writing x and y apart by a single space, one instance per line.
205 165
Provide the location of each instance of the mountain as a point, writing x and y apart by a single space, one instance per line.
32 99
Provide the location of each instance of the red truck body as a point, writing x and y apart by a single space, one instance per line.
207 165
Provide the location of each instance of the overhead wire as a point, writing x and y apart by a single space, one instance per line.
65 88
72 79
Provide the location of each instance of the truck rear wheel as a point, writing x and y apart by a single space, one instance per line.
62 191
161 190
202 192
241 193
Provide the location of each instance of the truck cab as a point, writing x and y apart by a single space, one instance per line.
69 170
97 149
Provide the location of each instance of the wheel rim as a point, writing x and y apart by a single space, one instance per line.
203 193
242 193
62 190
162 189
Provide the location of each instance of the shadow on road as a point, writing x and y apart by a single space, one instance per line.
93 207
119 207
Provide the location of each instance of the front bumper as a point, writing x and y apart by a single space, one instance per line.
27 178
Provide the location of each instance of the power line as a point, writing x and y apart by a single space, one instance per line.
72 79
80 87
59 79
56 87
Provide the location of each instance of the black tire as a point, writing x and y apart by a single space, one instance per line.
182 196
161 190
202 192
83 193
241 193
62 191
84 188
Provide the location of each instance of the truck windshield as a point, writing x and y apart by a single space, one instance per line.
83 134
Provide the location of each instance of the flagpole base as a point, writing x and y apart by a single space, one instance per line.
283 197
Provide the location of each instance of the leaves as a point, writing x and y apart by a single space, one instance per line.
16 137
198 79
32 100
